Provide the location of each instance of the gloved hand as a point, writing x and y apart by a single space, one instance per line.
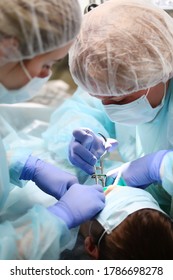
86 148
47 177
79 204
141 172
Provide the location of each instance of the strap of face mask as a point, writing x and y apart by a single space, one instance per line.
165 87
25 70
147 92
101 236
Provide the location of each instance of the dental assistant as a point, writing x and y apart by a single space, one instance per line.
123 56
33 36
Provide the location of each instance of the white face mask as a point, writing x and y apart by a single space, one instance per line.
134 113
120 203
10 96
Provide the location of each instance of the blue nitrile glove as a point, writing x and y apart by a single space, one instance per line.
141 172
47 177
86 148
79 204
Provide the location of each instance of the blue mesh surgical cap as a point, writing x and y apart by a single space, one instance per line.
32 27
123 46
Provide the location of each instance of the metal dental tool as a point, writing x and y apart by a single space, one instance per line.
99 175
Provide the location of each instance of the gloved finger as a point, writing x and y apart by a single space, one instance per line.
98 187
98 207
111 144
73 180
84 137
99 193
83 153
101 196
98 149
101 205
81 163
88 139
98 200
77 161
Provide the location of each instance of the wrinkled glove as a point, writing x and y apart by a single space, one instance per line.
141 172
86 148
79 204
47 177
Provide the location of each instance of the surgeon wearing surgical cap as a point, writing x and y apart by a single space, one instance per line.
123 58
33 36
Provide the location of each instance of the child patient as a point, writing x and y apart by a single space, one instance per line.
130 227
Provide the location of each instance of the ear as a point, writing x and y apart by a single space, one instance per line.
91 248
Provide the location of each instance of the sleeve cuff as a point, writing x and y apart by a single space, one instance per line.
17 163
166 173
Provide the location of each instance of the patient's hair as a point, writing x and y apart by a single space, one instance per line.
145 234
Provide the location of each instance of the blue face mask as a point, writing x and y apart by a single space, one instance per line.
134 113
10 96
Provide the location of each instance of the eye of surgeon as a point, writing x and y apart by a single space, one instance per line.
34 35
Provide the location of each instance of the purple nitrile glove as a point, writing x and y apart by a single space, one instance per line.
79 204
86 148
141 172
49 178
